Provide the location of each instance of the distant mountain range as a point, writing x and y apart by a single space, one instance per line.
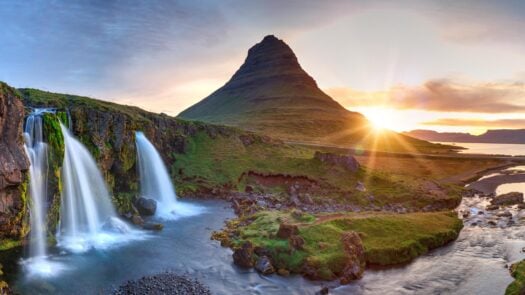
516 136
270 93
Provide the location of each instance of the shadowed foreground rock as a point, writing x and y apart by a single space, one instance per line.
165 283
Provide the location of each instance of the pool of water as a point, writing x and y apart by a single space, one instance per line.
183 246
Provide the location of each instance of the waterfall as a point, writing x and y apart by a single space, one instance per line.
87 216
155 182
36 150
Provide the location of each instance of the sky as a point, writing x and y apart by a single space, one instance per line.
443 65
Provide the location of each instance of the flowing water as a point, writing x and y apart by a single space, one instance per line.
155 182
36 150
87 217
474 264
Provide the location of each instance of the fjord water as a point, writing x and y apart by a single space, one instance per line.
36 150
155 182
87 216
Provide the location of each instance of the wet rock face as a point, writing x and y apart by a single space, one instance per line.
347 162
13 163
508 199
355 264
146 206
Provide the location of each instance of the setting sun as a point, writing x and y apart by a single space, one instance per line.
381 118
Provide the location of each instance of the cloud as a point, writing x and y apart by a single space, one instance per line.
501 123
443 95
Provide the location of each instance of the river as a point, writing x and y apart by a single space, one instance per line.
474 264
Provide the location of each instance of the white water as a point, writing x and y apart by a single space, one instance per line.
155 182
87 216
36 150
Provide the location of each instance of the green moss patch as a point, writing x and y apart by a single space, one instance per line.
517 271
388 239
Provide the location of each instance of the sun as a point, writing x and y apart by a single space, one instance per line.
381 118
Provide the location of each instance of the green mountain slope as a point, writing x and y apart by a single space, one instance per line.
272 94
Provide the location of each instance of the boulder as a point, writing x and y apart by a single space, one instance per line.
146 206
243 256
360 186
287 230
492 207
355 257
504 214
137 220
512 198
347 162
264 265
297 242
153 226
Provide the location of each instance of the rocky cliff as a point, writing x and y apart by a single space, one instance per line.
13 166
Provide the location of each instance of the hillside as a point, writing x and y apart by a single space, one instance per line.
511 136
271 94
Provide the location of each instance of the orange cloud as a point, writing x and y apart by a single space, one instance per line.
441 95
501 123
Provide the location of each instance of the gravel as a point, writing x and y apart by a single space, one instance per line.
164 283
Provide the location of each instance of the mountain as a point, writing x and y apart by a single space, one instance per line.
516 136
270 93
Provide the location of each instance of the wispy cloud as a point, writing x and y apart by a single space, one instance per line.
442 95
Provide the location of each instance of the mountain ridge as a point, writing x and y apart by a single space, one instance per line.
272 94
506 136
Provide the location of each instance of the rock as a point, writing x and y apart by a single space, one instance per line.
153 226
512 198
137 220
360 186
13 164
287 230
146 206
294 201
521 206
243 256
504 214
355 257
481 213
465 214
297 242
347 162
492 207
283 272
323 291
492 222
264 266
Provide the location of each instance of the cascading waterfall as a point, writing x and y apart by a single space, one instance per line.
87 216
36 150
155 182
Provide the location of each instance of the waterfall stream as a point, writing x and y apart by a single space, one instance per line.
155 182
87 216
36 150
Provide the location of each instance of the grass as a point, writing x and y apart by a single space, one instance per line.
517 287
388 239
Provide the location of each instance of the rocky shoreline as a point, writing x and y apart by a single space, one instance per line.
164 283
